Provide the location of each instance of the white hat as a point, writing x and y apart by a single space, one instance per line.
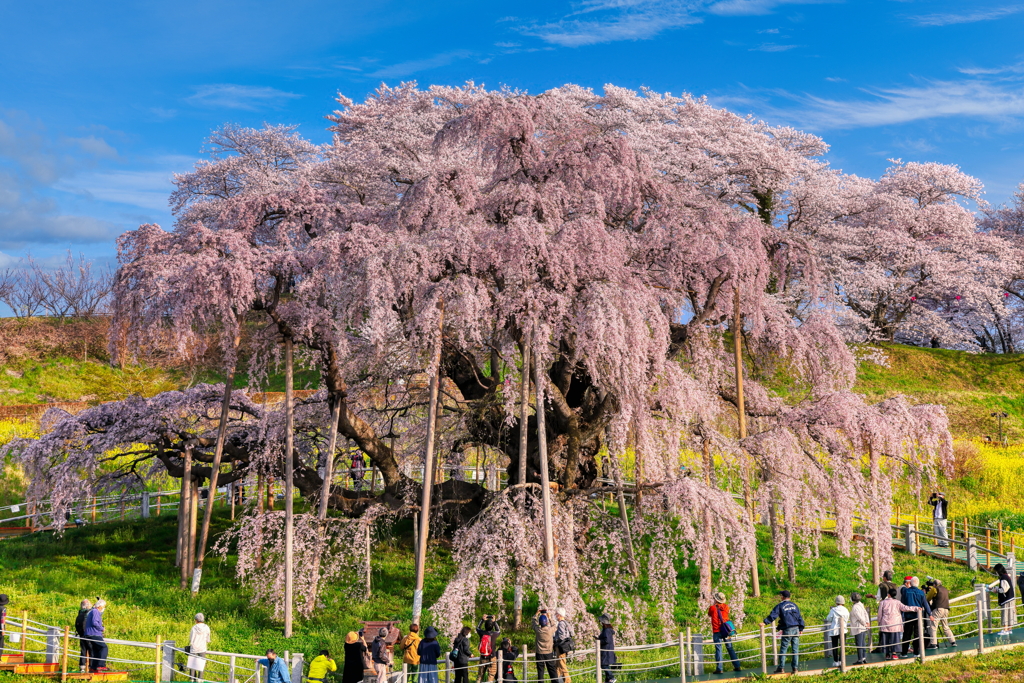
560 611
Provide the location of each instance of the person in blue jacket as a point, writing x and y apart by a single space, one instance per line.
94 632
913 596
791 623
277 669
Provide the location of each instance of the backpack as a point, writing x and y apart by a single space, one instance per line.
486 645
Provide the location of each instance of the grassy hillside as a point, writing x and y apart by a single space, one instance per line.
971 386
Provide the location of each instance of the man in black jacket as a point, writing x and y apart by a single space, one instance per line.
83 644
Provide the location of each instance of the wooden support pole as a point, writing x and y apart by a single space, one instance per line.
764 651
218 454
741 414
64 655
428 472
842 644
369 567
524 436
682 657
24 631
540 382
1000 538
158 660
289 483
920 635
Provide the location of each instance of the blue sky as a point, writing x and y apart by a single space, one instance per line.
101 102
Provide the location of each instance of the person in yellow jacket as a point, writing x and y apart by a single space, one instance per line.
410 649
321 666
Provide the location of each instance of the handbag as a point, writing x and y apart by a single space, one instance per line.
727 629
453 656
566 645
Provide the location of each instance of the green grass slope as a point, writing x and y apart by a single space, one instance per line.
971 386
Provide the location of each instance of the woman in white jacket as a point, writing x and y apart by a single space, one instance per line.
198 643
860 627
837 617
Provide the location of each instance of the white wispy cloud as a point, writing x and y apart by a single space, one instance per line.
1017 68
605 21
232 96
757 7
772 47
975 98
408 68
946 19
612 21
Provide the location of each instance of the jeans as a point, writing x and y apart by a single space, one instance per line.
427 673
891 641
861 640
940 531
790 639
546 662
719 639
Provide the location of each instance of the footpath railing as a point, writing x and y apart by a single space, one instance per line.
35 647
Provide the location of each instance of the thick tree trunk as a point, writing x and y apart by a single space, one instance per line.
185 510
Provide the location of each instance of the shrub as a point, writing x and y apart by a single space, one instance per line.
968 462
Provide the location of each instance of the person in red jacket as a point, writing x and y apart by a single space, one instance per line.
722 632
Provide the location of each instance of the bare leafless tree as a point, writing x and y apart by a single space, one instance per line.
74 289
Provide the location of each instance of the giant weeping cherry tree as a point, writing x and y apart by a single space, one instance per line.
615 239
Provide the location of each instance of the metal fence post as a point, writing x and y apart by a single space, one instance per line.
52 644
597 666
910 532
167 670
697 653
145 505
231 669
972 554
981 622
